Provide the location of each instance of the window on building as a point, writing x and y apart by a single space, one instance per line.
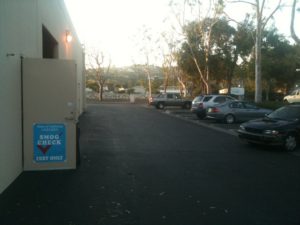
50 45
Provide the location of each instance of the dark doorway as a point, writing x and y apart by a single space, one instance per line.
50 45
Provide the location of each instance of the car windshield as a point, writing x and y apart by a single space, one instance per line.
163 95
198 99
286 113
207 98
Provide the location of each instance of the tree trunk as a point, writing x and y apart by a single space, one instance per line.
99 90
101 93
149 84
166 83
229 80
258 86
207 82
182 86
293 33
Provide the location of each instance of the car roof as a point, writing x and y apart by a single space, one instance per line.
213 95
201 97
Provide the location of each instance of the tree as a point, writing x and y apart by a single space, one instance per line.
261 22
293 34
278 62
168 58
242 47
169 66
200 30
228 46
100 72
146 48
224 50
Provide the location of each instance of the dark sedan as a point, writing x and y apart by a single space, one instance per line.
236 111
281 127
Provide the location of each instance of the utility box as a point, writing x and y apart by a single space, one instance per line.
49 114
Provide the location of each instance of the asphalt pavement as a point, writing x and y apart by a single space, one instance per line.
140 166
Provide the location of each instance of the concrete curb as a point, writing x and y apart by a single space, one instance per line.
197 122
231 132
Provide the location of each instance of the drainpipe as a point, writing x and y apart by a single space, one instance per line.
22 112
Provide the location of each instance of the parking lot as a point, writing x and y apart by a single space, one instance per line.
143 166
191 117
188 116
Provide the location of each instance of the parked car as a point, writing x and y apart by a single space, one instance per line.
195 103
281 127
293 97
202 102
236 111
169 99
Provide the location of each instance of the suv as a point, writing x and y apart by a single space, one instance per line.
202 102
169 99
293 97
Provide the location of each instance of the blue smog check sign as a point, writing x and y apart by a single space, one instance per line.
49 141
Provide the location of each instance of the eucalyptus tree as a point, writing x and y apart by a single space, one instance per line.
292 27
169 58
278 62
172 72
147 46
229 46
206 14
260 8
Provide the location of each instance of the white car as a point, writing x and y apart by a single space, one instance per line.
293 97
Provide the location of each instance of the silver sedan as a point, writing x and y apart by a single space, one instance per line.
236 111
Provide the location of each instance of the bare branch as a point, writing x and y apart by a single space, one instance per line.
241 1
262 7
292 28
97 62
272 14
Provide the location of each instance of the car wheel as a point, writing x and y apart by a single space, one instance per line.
160 105
290 143
229 119
201 115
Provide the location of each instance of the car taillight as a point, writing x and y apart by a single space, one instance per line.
215 110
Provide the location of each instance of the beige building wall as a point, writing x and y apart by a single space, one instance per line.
21 23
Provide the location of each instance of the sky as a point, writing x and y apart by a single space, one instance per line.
115 27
